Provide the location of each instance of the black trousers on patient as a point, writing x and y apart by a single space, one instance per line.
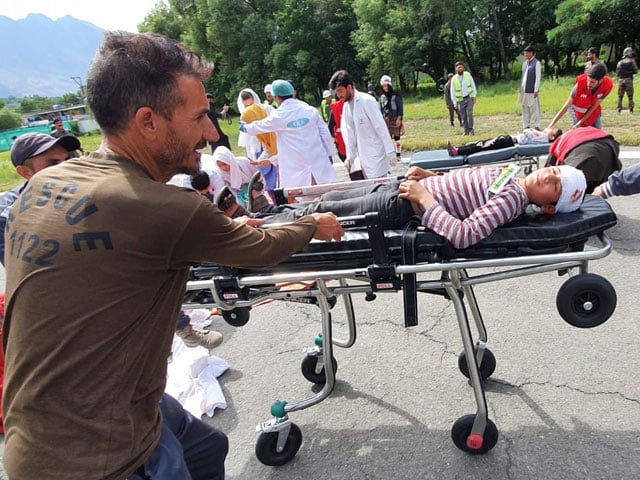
502 141
382 198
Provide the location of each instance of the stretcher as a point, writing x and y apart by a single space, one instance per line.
372 262
527 156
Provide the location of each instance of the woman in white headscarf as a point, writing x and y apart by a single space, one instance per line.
259 154
236 172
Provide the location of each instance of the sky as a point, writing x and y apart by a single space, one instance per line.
106 14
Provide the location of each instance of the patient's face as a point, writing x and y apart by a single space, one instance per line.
544 186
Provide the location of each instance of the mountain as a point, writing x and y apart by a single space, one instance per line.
38 56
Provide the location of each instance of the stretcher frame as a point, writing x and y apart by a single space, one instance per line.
590 298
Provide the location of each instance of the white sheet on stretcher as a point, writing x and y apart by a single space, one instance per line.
192 374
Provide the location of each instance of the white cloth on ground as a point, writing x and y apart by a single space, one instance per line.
192 373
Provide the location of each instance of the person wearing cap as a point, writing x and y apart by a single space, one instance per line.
214 115
529 96
269 100
586 97
368 146
626 69
589 149
463 205
305 146
371 90
392 110
592 59
449 102
325 105
463 96
31 153
95 290
58 128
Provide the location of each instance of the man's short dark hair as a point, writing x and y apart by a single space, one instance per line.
200 180
529 48
597 71
132 70
341 78
459 63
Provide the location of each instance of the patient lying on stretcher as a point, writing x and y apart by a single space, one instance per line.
527 137
464 205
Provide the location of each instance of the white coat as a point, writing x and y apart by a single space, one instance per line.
304 143
366 136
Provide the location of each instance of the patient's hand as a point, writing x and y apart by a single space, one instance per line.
415 193
417 173
327 227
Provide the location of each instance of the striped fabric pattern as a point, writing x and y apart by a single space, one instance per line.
465 211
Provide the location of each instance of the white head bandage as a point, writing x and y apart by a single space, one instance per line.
574 186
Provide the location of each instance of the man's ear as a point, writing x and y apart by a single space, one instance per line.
548 209
145 120
24 171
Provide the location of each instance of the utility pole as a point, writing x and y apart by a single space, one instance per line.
78 80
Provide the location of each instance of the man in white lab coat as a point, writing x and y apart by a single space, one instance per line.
305 146
366 137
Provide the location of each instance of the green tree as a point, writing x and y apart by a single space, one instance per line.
9 119
35 103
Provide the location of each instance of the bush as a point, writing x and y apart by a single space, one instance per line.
9 119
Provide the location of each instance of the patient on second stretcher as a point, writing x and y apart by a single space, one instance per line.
464 205
527 137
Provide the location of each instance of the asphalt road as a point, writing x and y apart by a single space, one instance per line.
566 401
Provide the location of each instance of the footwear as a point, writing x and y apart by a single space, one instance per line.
472 132
192 337
619 109
226 201
451 149
257 199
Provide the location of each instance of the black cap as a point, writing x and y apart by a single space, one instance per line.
459 63
32 144
210 96
592 50
529 48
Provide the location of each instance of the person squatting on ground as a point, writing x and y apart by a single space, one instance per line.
591 150
368 146
529 96
463 96
392 110
305 146
626 69
109 256
526 137
463 205
586 97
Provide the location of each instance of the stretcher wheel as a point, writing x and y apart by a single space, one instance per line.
586 300
237 317
266 447
309 365
474 444
486 367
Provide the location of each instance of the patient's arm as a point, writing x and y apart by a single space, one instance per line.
417 173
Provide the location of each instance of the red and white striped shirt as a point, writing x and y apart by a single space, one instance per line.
466 212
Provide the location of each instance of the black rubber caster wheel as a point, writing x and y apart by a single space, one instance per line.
475 444
266 447
586 300
237 317
308 367
486 367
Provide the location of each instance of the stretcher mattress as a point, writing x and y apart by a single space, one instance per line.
440 159
527 235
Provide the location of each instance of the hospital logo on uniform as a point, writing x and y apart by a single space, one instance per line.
301 122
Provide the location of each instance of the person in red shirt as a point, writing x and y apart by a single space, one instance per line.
588 93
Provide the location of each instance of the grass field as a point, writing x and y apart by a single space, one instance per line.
427 124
